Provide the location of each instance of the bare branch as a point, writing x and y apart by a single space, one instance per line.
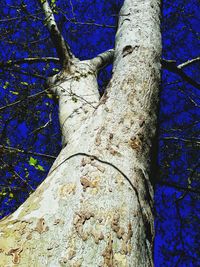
75 21
171 66
17 174
19 70
91 23
43 126
196 141
63 50
72 8
103 59
21 100
179 187
189 62
28 60
26 152
19 17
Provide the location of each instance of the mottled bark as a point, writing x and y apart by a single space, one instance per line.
95 206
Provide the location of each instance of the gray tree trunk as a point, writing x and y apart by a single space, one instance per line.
95 206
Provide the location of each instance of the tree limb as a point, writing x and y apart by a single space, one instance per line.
103 59
171 66
62 48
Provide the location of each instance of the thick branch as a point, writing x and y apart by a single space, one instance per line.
171 66
103 59
63 51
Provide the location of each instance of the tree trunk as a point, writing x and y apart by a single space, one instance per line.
95 206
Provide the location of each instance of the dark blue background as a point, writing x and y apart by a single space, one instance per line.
23 34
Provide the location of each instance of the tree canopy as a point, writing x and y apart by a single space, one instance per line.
29 130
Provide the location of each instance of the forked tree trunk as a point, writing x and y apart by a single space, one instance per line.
95 206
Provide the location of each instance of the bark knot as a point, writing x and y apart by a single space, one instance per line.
87 183
15 252
41 226
128 49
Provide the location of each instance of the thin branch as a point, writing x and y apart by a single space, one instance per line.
27 152
74 21
19 18
189 62
189 182
179 187
103 59
189 97
170 83
196 141
92 24
21 100
70 93
171 66
63 50
28 60
11 187
72 8
17 174
26 73
43 126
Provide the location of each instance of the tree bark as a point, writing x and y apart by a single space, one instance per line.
95 207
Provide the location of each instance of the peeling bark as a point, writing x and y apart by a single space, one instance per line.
95 206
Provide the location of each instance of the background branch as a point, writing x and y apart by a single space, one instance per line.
189 62
26 151
179 187
21 100
28 60
171 66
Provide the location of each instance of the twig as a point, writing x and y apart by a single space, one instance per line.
43 126
28 60
12 169
27 152
21 100
179 187
181 139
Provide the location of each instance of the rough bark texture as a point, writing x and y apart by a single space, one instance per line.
95 206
